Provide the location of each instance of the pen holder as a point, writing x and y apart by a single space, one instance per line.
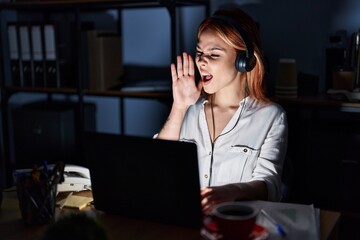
36 191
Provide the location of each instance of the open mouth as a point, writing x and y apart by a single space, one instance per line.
206 77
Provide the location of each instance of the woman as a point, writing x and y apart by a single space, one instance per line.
240 134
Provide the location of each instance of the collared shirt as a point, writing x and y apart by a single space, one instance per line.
251 147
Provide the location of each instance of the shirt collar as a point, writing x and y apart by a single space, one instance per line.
242 102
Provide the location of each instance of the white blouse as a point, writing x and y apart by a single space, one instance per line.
251 147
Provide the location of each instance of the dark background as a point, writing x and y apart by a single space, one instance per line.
323 142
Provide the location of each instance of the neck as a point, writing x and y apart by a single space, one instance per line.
226 100
229 96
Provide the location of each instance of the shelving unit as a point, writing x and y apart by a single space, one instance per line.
75 9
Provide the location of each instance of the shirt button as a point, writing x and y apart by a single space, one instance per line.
245 150
210 153
206 176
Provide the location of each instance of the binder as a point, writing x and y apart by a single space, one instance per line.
25 56
37 53
52 72
66 39
60 54
16 79
105 62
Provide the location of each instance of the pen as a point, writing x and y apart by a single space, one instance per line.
67 198
279 228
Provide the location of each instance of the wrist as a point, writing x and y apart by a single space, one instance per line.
238 191
180 107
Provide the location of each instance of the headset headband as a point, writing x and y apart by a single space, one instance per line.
235 24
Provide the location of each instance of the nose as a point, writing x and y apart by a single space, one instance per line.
201 59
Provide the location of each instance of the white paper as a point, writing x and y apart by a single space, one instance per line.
299 221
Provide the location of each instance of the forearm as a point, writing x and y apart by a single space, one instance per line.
172 126
211 196
254 190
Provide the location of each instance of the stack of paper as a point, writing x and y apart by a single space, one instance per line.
298 221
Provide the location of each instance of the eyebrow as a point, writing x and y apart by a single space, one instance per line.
211 49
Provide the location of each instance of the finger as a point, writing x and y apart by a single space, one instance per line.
173 72
179 67
206 209
204 201
191 66
185 64
207 205
205 192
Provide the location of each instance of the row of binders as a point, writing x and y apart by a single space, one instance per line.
43 54
33 52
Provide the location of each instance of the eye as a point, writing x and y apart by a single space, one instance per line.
214 55
199 53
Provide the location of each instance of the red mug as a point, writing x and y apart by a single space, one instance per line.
235 220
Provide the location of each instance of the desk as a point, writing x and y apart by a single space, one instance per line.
118 227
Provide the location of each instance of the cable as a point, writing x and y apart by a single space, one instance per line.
213 125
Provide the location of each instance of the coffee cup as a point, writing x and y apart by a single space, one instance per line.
235 220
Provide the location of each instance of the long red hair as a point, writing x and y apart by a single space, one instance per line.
232 37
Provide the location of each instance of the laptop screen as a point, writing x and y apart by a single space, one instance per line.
147 178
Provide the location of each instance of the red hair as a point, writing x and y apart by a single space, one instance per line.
232 37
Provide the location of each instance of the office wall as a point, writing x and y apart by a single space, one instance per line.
301 30
289 29
146 38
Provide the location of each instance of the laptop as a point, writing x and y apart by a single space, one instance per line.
151 179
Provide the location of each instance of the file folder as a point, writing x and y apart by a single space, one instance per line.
25 56
16 79
38 55
51 60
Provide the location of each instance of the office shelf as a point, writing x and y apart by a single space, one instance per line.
75 9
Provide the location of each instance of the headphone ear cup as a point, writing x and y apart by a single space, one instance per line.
244 63
251 62
241 61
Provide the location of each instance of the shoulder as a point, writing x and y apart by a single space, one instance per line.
253 104
267 109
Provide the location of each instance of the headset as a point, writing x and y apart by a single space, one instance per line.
245 60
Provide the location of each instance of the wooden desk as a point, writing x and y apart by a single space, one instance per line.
13 228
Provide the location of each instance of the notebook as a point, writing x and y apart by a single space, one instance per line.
156 180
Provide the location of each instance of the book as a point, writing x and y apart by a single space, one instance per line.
105 62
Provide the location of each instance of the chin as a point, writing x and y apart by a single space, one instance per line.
208 90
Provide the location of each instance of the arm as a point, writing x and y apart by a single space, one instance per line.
185 93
